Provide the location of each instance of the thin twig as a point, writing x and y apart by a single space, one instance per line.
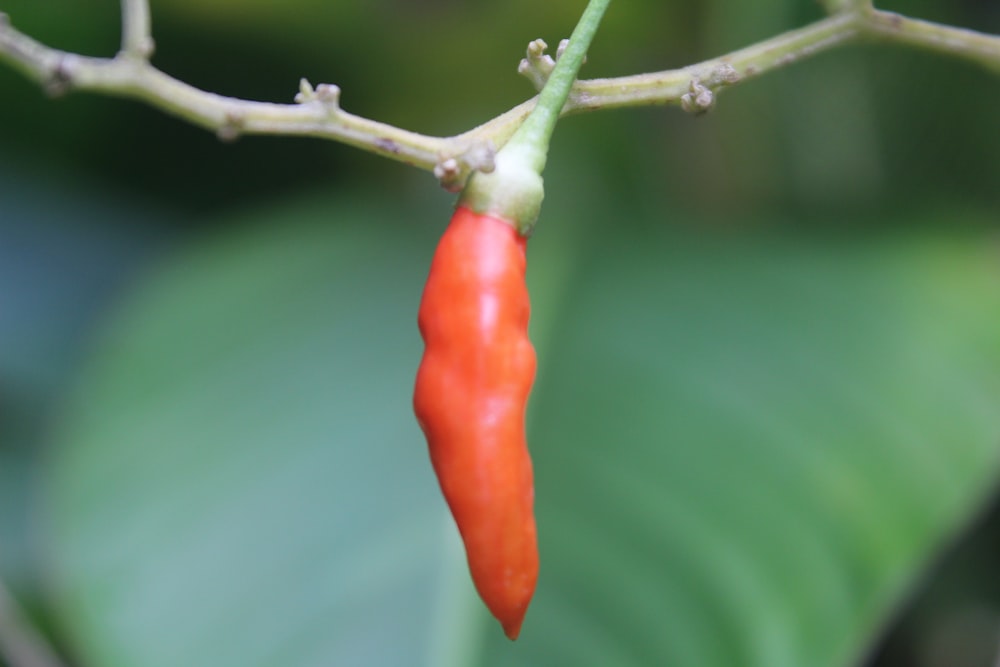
970 45
137 36
60 71
670 87
318 112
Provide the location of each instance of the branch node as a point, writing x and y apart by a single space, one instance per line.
561 49
723 75
536 66
563 43
60 79
699 98
453 171
141 52
326 94
387 145
232 126
536 48
449 174
481 156
146 47
306 92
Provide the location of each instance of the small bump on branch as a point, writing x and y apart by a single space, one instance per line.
702 92
60 78
563 43
325 94
232 126
145 48
722 75
698 100
452 171
561 49
537 65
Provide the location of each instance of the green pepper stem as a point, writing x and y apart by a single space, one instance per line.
535 132
513 191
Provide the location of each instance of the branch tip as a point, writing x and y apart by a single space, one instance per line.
326 94
536 48
537 65
306 92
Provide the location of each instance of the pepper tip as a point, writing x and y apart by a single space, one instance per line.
512 627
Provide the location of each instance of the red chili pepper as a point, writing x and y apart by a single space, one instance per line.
471 391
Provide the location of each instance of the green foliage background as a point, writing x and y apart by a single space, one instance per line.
769 344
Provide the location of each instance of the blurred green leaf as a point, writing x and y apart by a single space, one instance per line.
241 481
746 449
66 247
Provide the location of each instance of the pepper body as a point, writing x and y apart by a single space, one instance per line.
471 393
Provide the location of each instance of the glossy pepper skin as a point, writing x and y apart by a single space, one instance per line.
471 392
